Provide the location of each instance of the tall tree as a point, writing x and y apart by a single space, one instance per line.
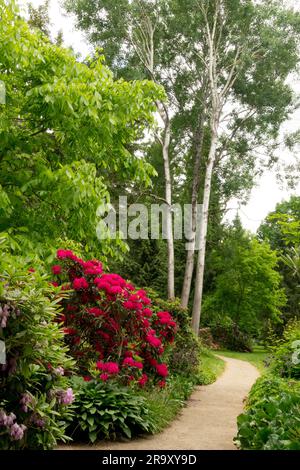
131 49
223 64
246 283
235 34
281 229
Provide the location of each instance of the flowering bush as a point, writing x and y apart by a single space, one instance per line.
35 396
110 327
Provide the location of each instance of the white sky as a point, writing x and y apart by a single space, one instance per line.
267 191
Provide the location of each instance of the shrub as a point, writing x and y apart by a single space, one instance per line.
272 419
110 327
229 336
106 410
184 357
286 356
34 391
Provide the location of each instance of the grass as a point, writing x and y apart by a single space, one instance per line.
210 367
257 357
165 405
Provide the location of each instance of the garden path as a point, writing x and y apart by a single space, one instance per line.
208 422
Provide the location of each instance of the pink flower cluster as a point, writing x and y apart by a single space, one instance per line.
25 401
109 322
130 362
15 430
65 397
4 314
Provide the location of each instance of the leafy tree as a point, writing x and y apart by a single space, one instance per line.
247 285
68 132
281 229
39 17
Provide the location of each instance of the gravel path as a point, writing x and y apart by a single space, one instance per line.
207 422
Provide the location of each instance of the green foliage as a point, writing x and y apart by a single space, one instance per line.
39 17
246 285
259 357
210 368
272 419
68 133
109 411
286 354
36 358
281 230
165 405
267 36
227 334
184 356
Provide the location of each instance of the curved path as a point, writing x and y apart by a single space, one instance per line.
207 422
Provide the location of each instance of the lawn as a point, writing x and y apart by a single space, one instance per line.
211 367
257 357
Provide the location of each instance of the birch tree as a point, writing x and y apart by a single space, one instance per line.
223 64
230 53
137 24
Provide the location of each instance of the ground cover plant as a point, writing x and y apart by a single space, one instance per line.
271 420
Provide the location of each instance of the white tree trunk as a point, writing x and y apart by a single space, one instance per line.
196 314
169 218
143 44
190 256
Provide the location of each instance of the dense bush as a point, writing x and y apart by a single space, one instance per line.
184 357
228 335
272 418
110 327
106 410
34 390
286 355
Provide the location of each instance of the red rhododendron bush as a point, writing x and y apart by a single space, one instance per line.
111 328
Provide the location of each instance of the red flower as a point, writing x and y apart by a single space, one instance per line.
109 367
72 308
104 377
97 312
162 383
87 378
129 361
70 331
80 283
115 290
153 341
147 312
143 380
31 270
54 284
56 269
61 254
162 370
130 305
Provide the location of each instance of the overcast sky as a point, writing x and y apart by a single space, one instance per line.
267 192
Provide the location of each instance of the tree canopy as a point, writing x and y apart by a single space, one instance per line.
68 132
